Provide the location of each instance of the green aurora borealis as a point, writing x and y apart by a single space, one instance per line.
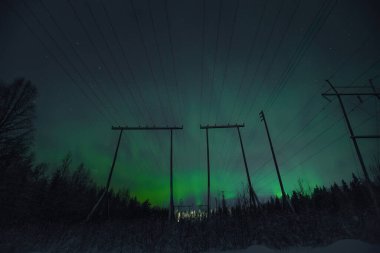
344 48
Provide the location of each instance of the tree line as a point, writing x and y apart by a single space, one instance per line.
66 193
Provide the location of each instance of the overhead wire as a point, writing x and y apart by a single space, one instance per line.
316 137
180 98
243 77
218 103
224 75
248 58
55 58
133 76
113 57
149 61
77 54
279 45
363 73
100 57
347 59
266 45
129 67
313 29
153 25
343 63
317 24
203 28
212 89
110 75
330 143
118 68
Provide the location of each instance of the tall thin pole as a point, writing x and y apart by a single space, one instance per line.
351 132
284 197
353 137
171 208
105 192
207 127
252 195
208 175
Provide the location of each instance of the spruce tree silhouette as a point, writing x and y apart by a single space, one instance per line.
17 110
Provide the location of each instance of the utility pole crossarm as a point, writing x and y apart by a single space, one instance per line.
352 94
336 93
253 196
373 87
221 126
147 128
366 136
355 137
134 128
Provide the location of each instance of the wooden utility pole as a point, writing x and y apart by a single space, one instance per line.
252 194
284 196
208 175
126 128
352 135
105 192
171 206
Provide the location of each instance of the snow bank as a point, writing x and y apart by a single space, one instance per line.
344 246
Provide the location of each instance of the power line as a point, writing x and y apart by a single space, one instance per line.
118 68
106 66
215 57
218 101
300 49
340 66
316 137
202 56
317 24
349 57
306 41
61 50
245 70
298 134
329 144
304 107
124 54
168 98
227 58
83 62
121 74
266 45
283 35
179 95
141 97
249 56
377 61
202 71
77 16
141 36
64 69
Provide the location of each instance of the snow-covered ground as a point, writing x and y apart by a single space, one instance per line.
344 246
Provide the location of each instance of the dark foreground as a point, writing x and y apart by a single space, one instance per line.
219 233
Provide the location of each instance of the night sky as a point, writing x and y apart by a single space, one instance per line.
157 62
